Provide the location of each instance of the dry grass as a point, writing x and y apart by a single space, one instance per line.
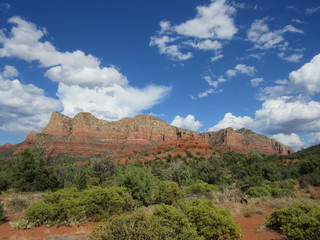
16 202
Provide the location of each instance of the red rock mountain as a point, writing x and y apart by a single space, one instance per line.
86 136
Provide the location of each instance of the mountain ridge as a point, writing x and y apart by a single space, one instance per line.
85 135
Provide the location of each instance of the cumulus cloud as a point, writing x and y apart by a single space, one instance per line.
111 103
314 138
307 78
24 108
255 82
206 31
241 69
9 72
83 84
263 38
235 122
73 68
213 21
291 140
188 122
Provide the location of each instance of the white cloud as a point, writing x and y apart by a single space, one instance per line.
205 44
255 82
289 114
73 68
213 21
241 69
24 108
217 57
232 121
83 85
263 38
173 50
307 78
312 10
291 140
291 58
188 122
110 103
314 138
9 72
211 25
206 93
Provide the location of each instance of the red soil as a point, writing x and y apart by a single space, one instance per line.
251 229
249 226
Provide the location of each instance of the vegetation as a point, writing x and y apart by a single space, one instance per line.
169 192
172 222
298 221
2 217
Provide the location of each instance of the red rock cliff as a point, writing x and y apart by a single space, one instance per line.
85 136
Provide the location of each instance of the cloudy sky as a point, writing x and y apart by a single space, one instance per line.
202 65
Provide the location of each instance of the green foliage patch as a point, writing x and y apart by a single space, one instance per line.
298 221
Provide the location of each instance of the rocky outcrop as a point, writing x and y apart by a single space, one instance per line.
86 136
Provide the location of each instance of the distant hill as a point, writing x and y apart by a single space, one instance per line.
86 136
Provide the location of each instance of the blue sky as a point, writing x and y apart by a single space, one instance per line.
197 64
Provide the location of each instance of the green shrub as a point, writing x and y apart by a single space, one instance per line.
298 221
71 205
140 182
201 188
258 191
2 217
166 222
211 221
281 192
169 192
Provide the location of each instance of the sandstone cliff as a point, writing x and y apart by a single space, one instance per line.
86 136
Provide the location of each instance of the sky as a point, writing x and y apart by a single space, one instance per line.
202 65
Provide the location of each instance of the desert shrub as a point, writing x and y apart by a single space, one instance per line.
41 213
103 169
140 182
71 205
211 221
200 188
298 221
169 192
166 222
171 223
181 174
258 191
281 192
2 217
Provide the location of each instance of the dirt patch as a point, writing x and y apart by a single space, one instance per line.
252 229
46 233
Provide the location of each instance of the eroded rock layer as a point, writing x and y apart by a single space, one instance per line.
86 136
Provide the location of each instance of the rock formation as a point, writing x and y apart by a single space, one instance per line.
86 136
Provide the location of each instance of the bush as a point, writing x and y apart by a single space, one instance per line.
140 183
258 191
2 217
298 221
166 222
70 205
169 192
211 221
201 188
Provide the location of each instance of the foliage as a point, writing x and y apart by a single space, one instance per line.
258 191
211 222
181 174
169 192
270 190
21 224
31 174
298 221
140 182
103 169
201 188
69 205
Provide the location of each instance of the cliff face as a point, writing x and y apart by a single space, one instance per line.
85 136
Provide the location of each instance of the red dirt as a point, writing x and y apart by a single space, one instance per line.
249 226
251 230
43 233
